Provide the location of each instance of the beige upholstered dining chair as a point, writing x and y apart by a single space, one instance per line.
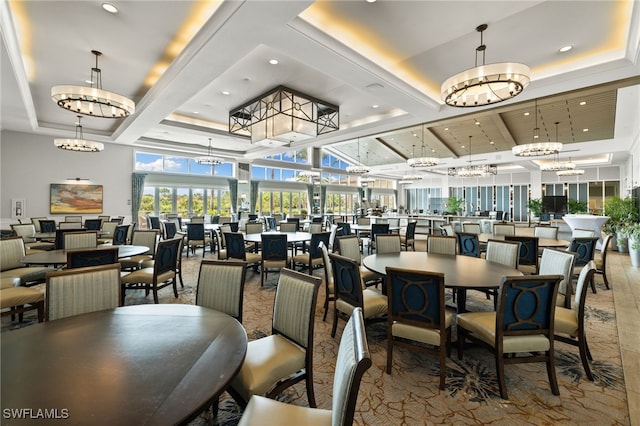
36 222
352 362
472 228
559 262
253 228
28 233
503 252
221 286
601 260
583 233
289 227
550 232
108 229
517 331
73 219
388 243
16 299
349 246
448 229
82 290
70 225
11 251
222 250
147 238
439 244
329 286
569 322
275 362
504 229
80 240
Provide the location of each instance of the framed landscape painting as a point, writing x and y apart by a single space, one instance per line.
73 198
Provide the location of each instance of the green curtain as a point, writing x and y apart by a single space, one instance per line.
310 197
233 195
253 200
369 191
137 188
323 197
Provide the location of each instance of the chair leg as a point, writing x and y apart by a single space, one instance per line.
311 396
593 285
551 372
334 327
155 294
460 331
40 308
326 308
585 356
500 372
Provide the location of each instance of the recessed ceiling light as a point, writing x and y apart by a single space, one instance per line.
477 123
196 112
371 1
566 48
585 130
273 61
446 129
226 92
433 150
109 8
462 146
583 103
491 143
526 114
374 106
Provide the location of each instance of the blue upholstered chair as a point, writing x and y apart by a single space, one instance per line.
528 256
313 257
468 244
92 257
417 318
275 254
522 324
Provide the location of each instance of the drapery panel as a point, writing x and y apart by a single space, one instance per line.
323 198
137 188
253 200
233 195
310 197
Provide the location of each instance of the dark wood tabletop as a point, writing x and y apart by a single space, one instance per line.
542 242
460 272
59 257
134 365
292 237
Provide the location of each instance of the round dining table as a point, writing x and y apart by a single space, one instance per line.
461 273
59 257
542 242
133 365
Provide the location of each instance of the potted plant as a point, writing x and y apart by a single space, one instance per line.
535 207
454 205
633 233
576 207
621 212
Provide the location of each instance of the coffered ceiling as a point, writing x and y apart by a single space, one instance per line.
186 64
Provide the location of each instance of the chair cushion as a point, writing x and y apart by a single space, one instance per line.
27 274
421 334
275 263
565 321
483 325
8 282
599 263
261 411
375 304
16 296
268 360
134 261
146 276
304 258
254 258
367 275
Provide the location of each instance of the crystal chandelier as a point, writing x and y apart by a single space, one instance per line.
209 159
309 174
477 170
571 171
412 177
93 100
535 148
358 169
486 84
557 166
422 161
78 144
405 182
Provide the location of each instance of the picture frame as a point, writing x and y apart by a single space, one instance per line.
18 208
75 198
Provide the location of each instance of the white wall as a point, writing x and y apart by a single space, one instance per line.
29 163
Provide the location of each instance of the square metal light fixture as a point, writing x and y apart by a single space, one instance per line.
282 116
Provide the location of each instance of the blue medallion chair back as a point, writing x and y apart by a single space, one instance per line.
221 286
275 254
271 223
349 293
196 237
409 238
352 362
417 318
585 248
377 229
94 257
528 255
93 224
47 225
236 249
120 235
344 228
522 325
313 257
468 244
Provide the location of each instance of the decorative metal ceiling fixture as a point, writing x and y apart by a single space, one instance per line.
557 166
282 116
535 148
485 84
422 161
209 159
478 170
412 177
93 100
78 144
358 169
571 171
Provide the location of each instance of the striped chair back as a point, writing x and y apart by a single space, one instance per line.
388 243
80 240
439 244
503 252
221 286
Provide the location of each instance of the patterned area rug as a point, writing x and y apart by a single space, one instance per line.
410 394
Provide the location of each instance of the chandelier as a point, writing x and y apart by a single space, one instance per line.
557 166
571 171
478 170
209 159
78 144
485 84
282 116
422 161
93 100
358 169
405 182
412 177
309 174
535 148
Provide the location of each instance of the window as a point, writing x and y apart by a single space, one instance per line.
176 164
